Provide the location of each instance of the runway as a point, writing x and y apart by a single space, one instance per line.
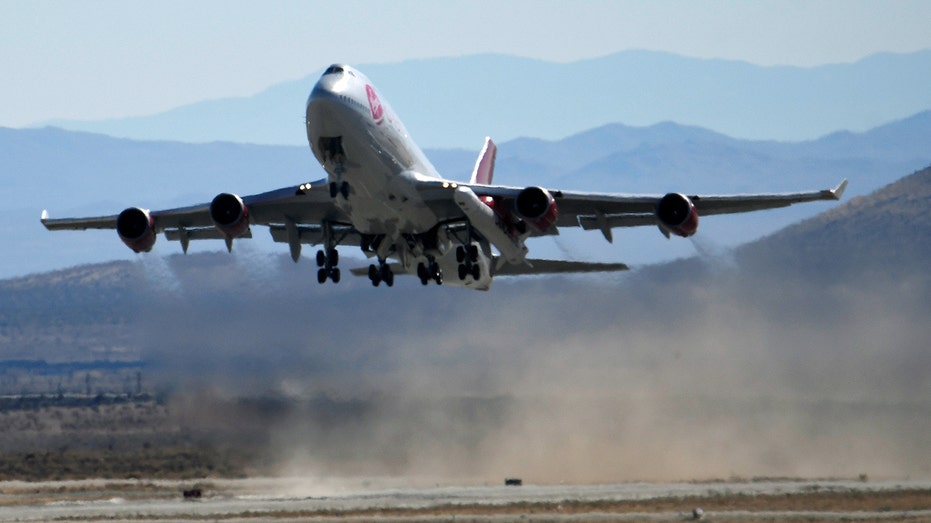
393 500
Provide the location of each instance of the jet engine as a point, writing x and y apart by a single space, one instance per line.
137 229
677 214
537 207
229 214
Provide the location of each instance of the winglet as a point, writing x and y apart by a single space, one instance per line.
44 217
838 191
484 169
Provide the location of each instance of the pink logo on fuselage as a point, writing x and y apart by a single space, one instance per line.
374 104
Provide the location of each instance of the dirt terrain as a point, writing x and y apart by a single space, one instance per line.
275 500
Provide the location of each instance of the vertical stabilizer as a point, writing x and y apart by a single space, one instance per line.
485 165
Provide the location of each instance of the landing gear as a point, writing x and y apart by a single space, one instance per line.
430 271
332 148
467 256
339 188
327 261
328 257
381 273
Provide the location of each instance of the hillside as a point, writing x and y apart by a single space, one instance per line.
882 235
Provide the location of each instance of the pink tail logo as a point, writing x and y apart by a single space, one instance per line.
374 104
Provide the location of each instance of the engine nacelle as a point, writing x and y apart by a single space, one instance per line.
229 214
137 229
537 207
677 214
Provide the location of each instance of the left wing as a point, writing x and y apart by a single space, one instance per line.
673 212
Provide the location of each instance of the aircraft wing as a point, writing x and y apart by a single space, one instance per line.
308 203
605 211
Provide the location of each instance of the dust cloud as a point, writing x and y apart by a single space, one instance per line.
680 372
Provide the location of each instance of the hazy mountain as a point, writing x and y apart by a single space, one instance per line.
455 102
804 354
71 173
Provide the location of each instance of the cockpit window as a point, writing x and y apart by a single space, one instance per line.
333 69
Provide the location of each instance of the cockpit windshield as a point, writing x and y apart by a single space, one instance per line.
333 69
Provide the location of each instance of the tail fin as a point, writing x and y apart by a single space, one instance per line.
484 169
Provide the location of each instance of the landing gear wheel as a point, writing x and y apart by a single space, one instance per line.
460 254
321 258
387 275
334 274
473 253
463 271
476 272
333 257
374 275
321 276
334 189
344 189
422 273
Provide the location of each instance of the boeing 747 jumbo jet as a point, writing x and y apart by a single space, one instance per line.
382 194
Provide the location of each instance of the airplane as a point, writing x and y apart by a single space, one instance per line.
382 195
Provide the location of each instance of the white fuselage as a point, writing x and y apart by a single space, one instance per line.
360 141
380 160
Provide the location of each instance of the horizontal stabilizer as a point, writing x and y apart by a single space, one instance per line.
557 267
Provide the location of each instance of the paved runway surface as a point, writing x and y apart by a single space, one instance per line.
385 500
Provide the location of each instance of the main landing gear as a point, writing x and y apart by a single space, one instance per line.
381 273
430 271
467 256
327 261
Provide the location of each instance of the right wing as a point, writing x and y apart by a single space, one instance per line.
605 211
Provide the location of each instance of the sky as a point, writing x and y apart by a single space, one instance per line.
110 59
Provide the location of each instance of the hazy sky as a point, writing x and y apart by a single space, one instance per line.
93 60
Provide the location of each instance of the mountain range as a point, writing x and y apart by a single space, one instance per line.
455 102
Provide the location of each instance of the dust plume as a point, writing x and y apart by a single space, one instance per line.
677 372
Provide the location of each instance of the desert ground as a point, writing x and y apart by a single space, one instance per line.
393 500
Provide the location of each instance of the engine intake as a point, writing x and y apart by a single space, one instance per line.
229 214
677 214
137 229
537 207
